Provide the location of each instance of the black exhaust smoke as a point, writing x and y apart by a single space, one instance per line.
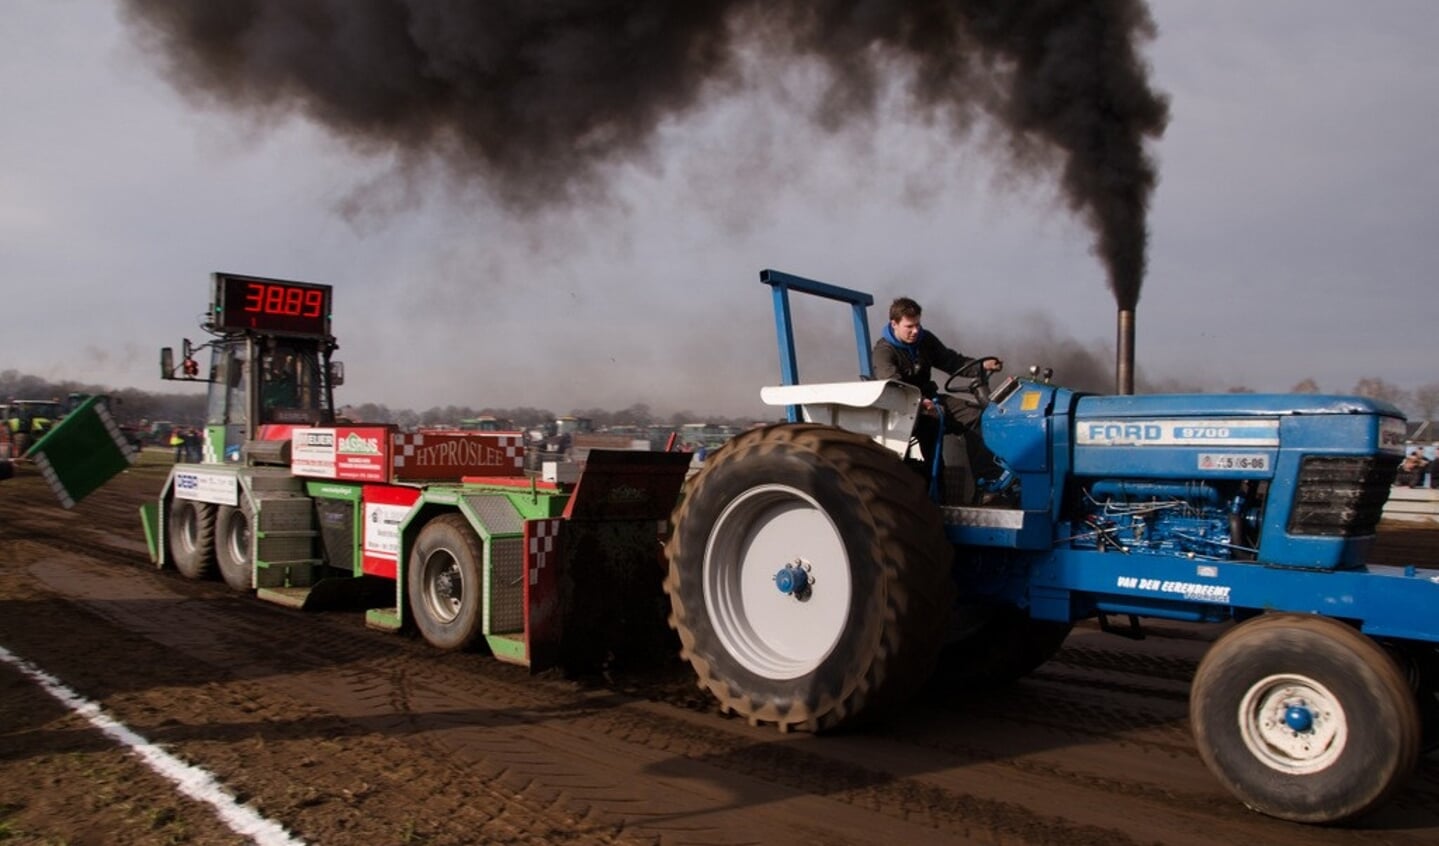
536 98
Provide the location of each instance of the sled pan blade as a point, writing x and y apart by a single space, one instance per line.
628 485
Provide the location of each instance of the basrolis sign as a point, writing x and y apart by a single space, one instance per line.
356 453
382 454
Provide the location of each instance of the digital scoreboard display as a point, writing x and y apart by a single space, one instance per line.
271 306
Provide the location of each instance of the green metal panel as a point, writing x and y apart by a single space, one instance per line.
494 518
493 515
82 452
150 520
442 495
383 619
531 502
508 647
332 533
538 506
334 490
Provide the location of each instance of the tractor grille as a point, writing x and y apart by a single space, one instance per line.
1341 496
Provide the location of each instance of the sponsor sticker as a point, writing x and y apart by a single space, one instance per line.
197 485
355 444
312 453
1194 591
382 529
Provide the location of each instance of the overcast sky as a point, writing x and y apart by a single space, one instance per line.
1294 231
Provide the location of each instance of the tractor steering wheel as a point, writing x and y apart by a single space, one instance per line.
978 377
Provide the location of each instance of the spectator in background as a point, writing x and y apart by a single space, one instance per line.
1411 469
193 444
177 440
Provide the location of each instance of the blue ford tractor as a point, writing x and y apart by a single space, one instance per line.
819 575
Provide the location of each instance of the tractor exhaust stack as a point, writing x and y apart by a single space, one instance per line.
1124 353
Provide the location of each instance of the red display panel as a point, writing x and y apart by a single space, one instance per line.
271 306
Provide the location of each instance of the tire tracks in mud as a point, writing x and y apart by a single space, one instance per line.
325 777
563 757
563 750
332 728
526 733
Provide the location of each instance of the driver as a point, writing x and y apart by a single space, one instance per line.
906 352
280 389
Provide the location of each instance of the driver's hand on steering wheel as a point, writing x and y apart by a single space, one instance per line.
993 365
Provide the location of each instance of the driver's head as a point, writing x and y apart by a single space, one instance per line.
904 319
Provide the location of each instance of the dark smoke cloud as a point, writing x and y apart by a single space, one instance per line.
536 98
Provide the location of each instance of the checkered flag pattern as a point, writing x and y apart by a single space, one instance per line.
542 545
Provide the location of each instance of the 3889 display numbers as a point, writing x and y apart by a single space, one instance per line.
271 305
271 298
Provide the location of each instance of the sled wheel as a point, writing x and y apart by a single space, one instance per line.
232 547
443 580
192 538
809 577
1304 718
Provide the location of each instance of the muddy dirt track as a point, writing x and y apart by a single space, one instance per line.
344 735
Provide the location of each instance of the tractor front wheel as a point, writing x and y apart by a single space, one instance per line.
192 537
809 577
1304 718
443 581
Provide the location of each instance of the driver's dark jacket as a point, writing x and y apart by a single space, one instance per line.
891 362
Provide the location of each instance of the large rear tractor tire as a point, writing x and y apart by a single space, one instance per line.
1305 719
443 580
809 577
192 538
232 546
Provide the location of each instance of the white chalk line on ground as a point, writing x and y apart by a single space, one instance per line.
193 781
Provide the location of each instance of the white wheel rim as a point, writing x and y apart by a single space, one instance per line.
773 634
444 586
1276 740
239 539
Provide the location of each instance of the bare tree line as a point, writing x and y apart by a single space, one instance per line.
1419 403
